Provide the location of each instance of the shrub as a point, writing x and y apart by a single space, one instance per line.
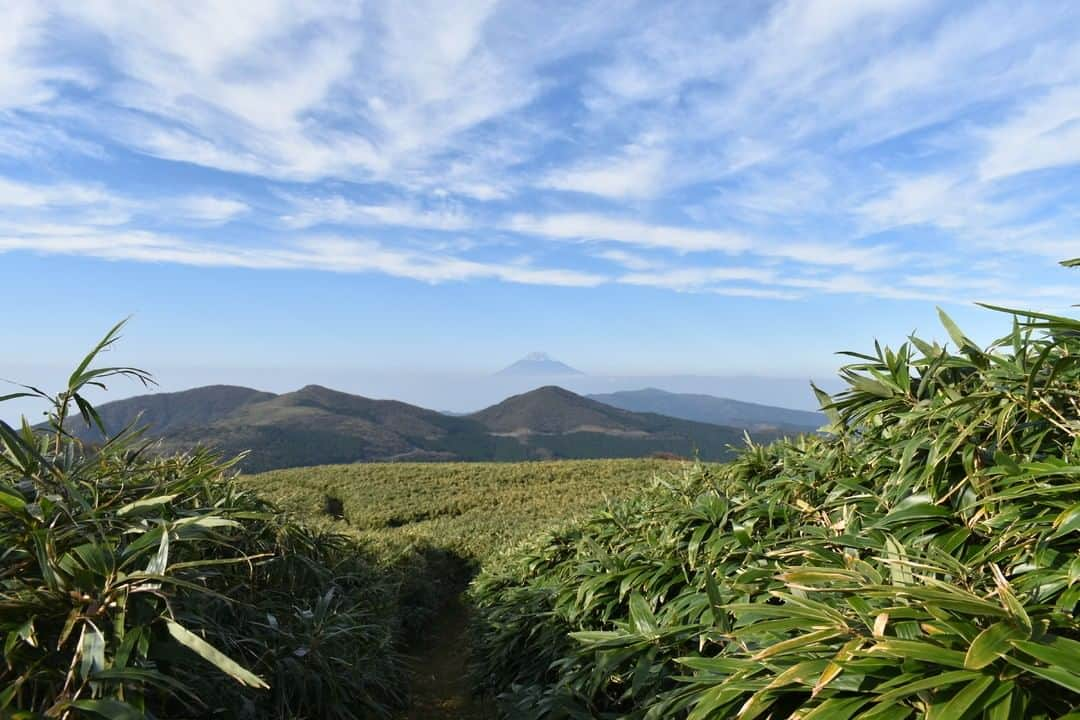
922 561
136 585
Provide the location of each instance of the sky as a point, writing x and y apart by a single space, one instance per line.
301 191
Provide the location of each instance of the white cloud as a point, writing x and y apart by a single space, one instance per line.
480 190
698 277
15 194
638 172
785 285
313 211
581 226
210 209
380 91
630 261
589 227
28 80
792 136
93 204
790 190
1044 134
327 254
936 198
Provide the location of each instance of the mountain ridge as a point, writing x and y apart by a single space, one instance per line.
316 425
712 409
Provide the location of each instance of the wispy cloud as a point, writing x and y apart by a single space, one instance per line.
585 227
636 172
1045 133
94 204
324 253
817 147
337 210
209 209
15 194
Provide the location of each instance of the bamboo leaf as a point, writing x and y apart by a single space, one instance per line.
992 643
213 656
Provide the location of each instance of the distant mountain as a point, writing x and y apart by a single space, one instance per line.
716 410
316 425
539 364
552 409
554 422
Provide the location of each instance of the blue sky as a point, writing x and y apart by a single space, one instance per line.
653 188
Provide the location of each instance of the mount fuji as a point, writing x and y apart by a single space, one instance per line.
538 364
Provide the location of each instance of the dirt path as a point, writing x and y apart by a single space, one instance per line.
440 659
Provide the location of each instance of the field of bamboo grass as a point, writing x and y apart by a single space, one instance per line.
921 560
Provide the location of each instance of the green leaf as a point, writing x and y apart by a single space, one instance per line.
954 331
214 656
1067 522
160 561
1002 707
913 508
836 708
92 649
886 712
797 643
1056 651
1060 675
146 503
992 643
896 557
641 615
964 699
110 337
825 402
109 708
919 650
936 680
12 502
1009 600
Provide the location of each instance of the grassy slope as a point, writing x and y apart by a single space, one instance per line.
470 509
424 518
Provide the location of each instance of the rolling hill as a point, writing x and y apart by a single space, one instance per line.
316 425
715 410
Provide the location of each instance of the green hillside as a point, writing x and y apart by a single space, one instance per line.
471 509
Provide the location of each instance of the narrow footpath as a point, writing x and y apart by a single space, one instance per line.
441 686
